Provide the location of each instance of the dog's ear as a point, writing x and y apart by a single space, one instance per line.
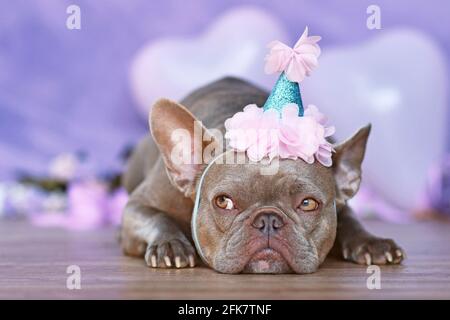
347 164
181 138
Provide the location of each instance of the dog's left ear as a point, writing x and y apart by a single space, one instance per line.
347 164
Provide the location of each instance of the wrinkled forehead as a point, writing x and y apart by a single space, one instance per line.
285 176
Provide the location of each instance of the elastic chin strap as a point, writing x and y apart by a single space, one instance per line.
195 211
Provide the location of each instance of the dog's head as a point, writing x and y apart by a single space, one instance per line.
250 218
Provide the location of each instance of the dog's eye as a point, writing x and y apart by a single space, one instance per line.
308 204
223 202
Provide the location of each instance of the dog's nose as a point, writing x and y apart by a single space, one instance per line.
268 222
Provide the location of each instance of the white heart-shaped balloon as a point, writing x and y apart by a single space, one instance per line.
397 81
234 45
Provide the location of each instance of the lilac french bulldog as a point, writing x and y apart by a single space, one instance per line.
246 222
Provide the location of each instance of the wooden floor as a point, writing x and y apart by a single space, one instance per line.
33 264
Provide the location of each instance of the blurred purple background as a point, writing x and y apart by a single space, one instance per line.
64 90
69 90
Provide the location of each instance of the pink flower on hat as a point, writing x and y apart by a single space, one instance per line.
287 136
253 131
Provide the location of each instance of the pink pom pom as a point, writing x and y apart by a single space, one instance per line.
262 134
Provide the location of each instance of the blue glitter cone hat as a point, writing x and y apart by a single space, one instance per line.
284 92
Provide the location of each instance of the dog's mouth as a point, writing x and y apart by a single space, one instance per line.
267 260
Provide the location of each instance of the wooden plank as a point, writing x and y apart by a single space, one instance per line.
33 264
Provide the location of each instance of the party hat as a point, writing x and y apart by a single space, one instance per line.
283 127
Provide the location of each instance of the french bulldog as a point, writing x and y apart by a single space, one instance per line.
246 222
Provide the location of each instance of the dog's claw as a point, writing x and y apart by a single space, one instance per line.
368 259
167 261
177 262
345 254
389 256
191 261
153 261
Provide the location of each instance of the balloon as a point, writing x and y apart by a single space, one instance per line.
234 45
397 81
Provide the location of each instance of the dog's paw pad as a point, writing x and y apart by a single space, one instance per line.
170 254
373 250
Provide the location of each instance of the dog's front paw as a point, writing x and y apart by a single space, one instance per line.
174 253
372 250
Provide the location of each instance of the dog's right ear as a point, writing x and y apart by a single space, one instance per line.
181 138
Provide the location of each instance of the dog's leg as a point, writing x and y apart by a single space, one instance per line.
153 234
355 244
